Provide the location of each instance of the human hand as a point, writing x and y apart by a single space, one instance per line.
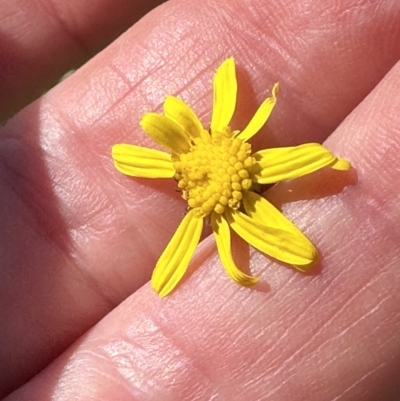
78 238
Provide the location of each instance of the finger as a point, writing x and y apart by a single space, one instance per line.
333 335
39 41
88 237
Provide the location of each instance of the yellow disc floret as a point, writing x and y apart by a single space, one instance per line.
214 173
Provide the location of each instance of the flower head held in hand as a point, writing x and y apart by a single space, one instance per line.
217 172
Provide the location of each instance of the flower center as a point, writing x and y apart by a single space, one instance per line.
214 173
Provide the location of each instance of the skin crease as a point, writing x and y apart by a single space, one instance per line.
78 239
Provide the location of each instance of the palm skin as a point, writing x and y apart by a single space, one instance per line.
79 240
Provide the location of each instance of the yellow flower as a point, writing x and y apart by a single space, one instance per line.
217 174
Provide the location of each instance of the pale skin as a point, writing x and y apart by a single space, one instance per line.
79 240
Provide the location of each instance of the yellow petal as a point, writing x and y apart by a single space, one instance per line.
283 245
165 132
341 164
223 239
175 259
279 164
258 208
179 112
137 161
261 116
225 91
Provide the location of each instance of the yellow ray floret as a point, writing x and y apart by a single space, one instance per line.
175 259
261 116
149 163
177 111
274 165
222 236
217 173
225 90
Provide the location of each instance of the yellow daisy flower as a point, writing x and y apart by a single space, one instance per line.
217 172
